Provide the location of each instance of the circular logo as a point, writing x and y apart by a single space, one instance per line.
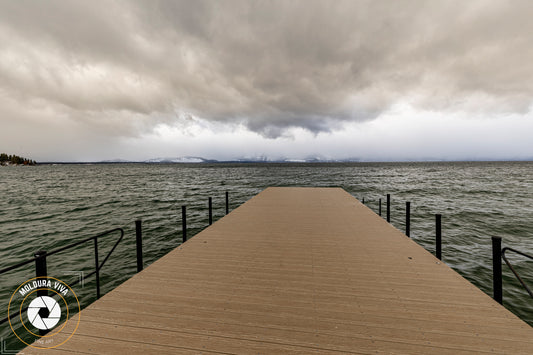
44 312
42 305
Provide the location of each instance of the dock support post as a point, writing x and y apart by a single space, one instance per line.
210 203
438 237
388 208
139 244
97 268
227 202
497 269
380 207
184 223
408 219
41 271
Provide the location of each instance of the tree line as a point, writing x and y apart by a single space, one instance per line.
15 160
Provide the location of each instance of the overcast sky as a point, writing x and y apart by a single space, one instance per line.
373 80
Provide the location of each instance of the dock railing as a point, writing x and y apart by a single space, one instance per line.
498 254
40 258
184 238
438 222
513 270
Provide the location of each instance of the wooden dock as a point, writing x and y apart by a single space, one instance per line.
298 271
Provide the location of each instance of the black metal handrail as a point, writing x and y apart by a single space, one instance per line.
513 270
40 261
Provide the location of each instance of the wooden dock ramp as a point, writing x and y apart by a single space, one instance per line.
298 271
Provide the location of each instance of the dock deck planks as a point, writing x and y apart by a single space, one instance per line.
298 271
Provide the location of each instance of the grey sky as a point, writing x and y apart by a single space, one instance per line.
91 80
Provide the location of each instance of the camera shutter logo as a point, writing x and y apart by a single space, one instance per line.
44 313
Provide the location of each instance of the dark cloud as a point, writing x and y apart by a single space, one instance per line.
123 67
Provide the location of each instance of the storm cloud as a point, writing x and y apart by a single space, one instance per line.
121 68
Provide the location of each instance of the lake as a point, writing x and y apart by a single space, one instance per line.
49 206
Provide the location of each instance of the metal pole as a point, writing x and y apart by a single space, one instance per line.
388 208
97 268
380 207
40 271
363 200
438 237
139 243
408 219
227 202
497 269
210 211
184 222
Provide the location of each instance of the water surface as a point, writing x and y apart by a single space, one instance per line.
49 206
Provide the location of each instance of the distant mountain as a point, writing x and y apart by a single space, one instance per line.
179 160
258 159
116 161
263 159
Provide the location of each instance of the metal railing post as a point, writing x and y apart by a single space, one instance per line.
438 237
41 271
227 202
139 243
184 223
408 219
388 208
97 268
40 268
497 269
210 203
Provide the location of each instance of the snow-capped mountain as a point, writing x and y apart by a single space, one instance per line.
179 160
256 159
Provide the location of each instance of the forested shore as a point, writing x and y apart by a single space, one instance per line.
12 159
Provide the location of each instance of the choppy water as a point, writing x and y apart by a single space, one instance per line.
49 206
